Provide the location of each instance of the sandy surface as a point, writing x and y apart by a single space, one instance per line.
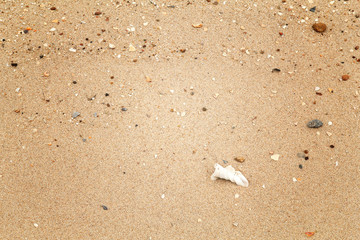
193 97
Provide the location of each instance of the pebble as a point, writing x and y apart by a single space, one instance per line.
123 109
275 157
237 195
111 46
300 166
312 9
36 225
345 77
104 207
319 27
314 123
275 70
72 50
75 114
239 159
132 48
235 224
14 64
97 13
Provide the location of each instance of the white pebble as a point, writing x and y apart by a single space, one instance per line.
237 195
72 50
52 29
330 123
36 225
163 196
112 46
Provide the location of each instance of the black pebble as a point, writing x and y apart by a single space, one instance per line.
124 109
26 31
204 109
74 82
104 207
41 56
14 64
314 124
300 166
276 70
306 158
332 146
106 94
312 9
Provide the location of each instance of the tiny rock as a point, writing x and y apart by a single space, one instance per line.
75 114
97 13
111 46
239 159
314 123
148 79
319 27
345 77
72 50
199 25
275 157
132 48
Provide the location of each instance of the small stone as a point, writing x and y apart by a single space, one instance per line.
235 224
319 27
123 109
204 109
148 79
275 70
239 159
75 115
132 48
197 25
72 50
17 90
46 74
162 196
300 155
97 13
317 89
36 225
52 29
314 123
14 64
237 195
53 8
345 77
312 9
300 166
275 157
104 207
111 46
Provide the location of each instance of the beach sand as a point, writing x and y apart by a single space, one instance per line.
113 114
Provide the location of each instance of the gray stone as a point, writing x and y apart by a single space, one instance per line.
314 123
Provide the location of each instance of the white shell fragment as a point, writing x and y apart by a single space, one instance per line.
229 173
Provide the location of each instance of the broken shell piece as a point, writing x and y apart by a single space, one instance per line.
229 173
197 25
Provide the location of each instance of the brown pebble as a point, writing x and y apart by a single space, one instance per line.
357 48
239 159
319 27
345 77
53 8
97 13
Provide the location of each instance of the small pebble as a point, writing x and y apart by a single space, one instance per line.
275 70
319 27
14 64
237 195
204 109
275 157
312 9
124 109
36 225
75 114
300 166
345 77
97 13
111 46
239 159
104 207
225 162
314 123
53 8
235 224
332 146
306 158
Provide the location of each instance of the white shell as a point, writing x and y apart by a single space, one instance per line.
230 174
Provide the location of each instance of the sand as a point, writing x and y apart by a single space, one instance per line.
113 114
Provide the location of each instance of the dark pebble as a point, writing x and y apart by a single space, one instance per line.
225 162
204 109
97 13
312 9
314 124
41 56
26 31
74 82
300 166
124 109
14 64
332 146
104 207
306 158
53 8
106 94
275 70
